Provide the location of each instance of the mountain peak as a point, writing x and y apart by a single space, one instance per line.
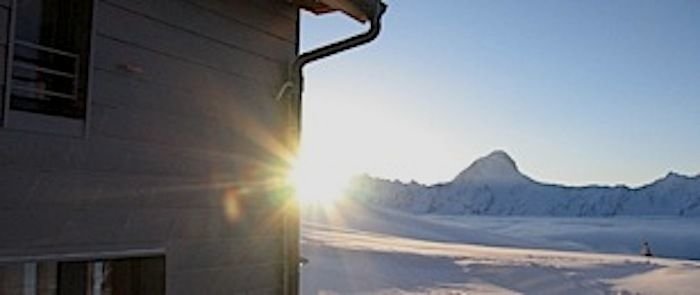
497 166
501 156
674 176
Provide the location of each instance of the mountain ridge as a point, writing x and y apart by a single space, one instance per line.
493 185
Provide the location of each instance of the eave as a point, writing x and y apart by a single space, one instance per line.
360 10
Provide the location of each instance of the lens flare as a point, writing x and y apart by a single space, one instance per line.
317 183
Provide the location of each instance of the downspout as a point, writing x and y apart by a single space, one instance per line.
337 47
292 90
296 78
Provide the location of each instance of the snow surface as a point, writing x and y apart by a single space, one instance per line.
358 249
493 185
670 237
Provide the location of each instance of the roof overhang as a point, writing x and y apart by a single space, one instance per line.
361 10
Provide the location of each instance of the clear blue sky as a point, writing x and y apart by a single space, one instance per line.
577 92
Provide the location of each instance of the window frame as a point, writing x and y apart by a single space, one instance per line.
94 260
38 122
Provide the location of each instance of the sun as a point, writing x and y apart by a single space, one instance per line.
317 182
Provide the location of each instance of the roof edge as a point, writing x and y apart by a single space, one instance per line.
360 10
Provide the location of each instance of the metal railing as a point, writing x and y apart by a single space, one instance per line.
37 87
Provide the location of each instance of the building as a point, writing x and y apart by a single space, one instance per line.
143 144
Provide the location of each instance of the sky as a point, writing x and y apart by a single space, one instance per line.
577 92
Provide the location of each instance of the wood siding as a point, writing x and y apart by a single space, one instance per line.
4 31
182 115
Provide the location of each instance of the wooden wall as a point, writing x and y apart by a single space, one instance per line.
4 27
182 122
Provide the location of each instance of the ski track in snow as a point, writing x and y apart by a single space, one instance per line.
354 249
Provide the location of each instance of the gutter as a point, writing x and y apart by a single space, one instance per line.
337 47
296 80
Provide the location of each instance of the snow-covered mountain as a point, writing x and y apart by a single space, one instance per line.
493 185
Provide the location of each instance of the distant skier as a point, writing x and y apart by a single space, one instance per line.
646 251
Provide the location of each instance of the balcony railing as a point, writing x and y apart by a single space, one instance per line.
36 76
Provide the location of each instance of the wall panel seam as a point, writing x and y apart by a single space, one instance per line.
195 33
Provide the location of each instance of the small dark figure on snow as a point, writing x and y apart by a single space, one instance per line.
646 251
303 261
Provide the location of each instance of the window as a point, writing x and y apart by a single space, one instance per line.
127 276
143 276
50 57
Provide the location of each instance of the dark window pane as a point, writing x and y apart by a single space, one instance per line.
52 40
59 24
73 278
46 278
136 276
11 279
